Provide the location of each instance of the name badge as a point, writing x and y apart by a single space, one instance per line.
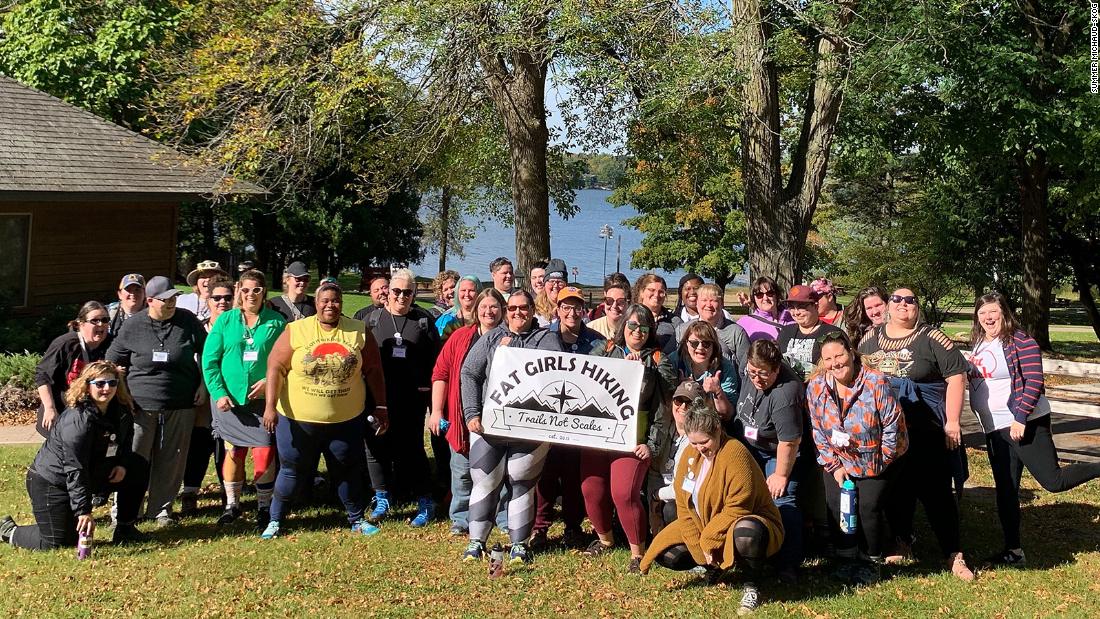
688 486
840 439
398 352
251 355
160 356
751 432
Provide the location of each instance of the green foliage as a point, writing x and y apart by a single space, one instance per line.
18 369
597 170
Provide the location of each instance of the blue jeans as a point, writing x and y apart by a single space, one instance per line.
301 442
790 553
461 485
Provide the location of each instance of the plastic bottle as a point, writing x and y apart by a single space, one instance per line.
443 425
496 561
374 425
84 547
849 510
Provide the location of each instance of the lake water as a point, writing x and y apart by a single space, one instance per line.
575 240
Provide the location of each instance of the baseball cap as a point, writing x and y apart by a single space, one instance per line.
160 288
688 390
296 269
571 292
823 286
131 279
555 269
802 294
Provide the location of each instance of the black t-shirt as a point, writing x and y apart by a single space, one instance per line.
408 365
802 350
774 415
305 307
64 360
927 355
365 312
161 356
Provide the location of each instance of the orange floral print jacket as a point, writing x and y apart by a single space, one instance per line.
870 432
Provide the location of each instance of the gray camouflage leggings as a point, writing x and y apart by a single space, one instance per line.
495 461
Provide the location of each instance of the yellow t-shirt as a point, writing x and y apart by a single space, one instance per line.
325 383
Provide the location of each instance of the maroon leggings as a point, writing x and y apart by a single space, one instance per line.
608 477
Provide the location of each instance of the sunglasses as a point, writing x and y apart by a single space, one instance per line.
99 322
700 344
221 298
256 290
103 383
519 308
614 302
760 294
908 299
402 292
635 326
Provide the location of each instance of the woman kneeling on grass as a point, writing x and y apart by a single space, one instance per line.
1007 395
87 451
724 510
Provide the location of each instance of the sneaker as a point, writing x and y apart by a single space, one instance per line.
189 504
365 527
99 500
902 555
518 555
750 599
865 574
380 506
959 567
230 514
7 527
425 511
128 534
459 531
538 541
166 521
597 548
635 566
475 550
1008 558
263 516
271 531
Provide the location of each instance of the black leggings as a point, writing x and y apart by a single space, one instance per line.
873 531
925 473
396 461
203 444
750 541
1036 451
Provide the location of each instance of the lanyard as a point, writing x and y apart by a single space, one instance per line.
167 334
83 348
397 332
293 307
249 334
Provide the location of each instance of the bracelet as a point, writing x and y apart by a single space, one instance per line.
383 407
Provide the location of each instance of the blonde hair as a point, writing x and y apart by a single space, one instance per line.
78 389
713 290
405 274
543 306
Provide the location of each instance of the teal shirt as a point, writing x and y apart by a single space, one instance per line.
223 365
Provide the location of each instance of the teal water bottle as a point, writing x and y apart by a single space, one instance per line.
849 512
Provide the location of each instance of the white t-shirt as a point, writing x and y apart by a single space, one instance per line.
991 386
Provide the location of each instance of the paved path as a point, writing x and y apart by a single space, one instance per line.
19 435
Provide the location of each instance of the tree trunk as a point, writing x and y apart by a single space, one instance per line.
1082 256
778 218
444 225
1035 316
517 86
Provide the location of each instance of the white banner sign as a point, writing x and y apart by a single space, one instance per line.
563 398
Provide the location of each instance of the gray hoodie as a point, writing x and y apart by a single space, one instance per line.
475 369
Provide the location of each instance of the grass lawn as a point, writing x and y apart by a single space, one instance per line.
320 569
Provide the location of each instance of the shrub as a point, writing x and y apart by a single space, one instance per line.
18 369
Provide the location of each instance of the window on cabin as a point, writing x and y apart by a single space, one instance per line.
15 237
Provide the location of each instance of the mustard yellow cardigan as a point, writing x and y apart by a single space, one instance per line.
734 488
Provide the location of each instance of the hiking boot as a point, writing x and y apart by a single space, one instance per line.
959 567
365 527
1008 558
425 511
128 534
380 506
574 537
263 516
7 527
635 566
230 514
189 504
271 531
166 521
750 599
597 548
518 555
475 550
538 541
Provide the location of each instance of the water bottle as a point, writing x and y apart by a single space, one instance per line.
443 425
84 547
374 425
849 511
496 561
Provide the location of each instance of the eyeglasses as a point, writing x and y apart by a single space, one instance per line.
300 280
620 303
519 309
221 298
99 322
402 292
635 326
256 290
800 305
103 383
760 294
908 300
700 344
757 373
570 309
